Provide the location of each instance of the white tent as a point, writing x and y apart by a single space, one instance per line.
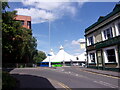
81 57
62 56
50 56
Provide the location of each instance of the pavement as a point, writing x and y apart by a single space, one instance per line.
104 72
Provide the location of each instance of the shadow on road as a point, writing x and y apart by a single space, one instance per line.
29 82
7 69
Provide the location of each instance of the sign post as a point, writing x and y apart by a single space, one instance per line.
49 60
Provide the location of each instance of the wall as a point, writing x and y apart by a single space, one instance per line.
25 19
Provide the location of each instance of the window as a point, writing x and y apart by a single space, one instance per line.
111 55
90 40
99 57
119 28
92 57
77 58
22 22
108 33
29 24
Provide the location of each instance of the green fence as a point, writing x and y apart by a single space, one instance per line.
57 64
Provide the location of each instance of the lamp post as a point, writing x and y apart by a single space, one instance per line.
49 44
49 40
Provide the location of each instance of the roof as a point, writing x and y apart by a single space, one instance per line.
49 57
82 57
62 56
22 17
100 20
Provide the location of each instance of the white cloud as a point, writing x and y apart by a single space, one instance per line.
65 40
37 15
77 42
42 5
81 2
30 1
44 11
73 47
74 42
81 40
49 5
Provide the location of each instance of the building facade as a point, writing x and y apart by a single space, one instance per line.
25 21
103 42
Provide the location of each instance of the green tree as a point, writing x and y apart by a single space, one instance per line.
4 5
39 57
18 43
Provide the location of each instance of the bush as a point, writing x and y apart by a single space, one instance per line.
8 82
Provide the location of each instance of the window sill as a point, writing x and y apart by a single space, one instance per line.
111 63
92 63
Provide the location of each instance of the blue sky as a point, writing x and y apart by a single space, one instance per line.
68 22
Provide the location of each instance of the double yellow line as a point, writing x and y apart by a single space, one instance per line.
64 86
101 74
61 84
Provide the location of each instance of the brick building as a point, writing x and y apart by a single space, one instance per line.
25 20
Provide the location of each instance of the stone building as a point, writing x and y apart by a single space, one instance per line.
103 42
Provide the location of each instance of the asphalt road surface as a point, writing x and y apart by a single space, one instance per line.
63 77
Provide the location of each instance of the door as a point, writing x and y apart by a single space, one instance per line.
99 58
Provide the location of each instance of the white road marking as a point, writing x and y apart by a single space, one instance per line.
76 75
69 72
106 84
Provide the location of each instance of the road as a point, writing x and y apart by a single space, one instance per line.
63 77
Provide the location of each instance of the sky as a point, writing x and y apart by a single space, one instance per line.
66 22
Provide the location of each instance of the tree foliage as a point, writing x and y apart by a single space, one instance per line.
18 44
39 57
4 5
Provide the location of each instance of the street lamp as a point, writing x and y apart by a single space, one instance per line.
49 40
49 44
